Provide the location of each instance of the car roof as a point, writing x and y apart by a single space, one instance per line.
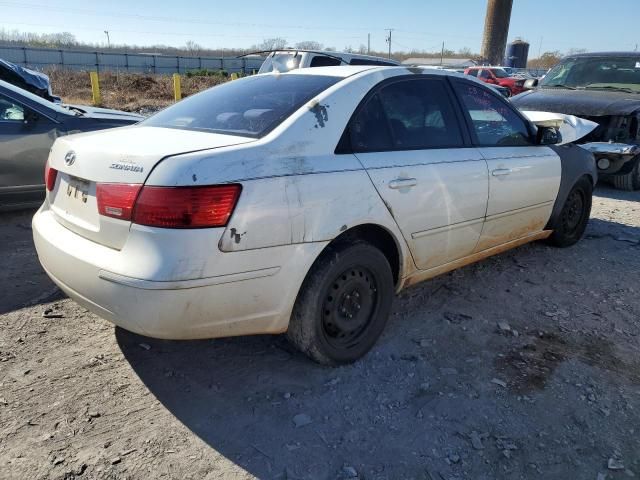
345 71
606 54
338 54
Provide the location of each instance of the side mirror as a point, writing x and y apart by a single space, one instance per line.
530 83
548 136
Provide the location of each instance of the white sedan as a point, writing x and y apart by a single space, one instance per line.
300 202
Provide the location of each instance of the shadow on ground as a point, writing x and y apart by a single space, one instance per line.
23 279
418 403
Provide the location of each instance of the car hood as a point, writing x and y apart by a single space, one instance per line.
578 102
106 113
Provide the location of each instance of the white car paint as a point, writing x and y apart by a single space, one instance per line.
446 208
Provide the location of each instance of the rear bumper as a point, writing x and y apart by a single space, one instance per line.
246 301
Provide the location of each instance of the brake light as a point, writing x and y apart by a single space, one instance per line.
186 207
116 200
50 175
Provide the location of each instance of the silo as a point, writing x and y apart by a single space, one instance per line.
496 29
517 54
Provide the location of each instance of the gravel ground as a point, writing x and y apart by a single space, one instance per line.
525 365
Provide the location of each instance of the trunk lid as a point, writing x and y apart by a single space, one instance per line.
119 155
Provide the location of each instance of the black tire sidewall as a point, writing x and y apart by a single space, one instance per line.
564 239
306 328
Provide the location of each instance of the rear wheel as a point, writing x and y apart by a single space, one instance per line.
574 215
343 304
629 181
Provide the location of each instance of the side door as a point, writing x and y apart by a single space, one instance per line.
524 177
407 134
25 140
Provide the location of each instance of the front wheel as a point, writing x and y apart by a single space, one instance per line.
629 181
574 215
343 304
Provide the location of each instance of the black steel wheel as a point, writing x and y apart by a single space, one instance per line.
343 304
574 215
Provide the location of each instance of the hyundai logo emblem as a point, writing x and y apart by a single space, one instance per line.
70 158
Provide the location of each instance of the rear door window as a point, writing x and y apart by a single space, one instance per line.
324 61
493 120
406 115
473 72
369 129
420 115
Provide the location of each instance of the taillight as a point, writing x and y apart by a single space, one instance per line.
50 175
117 199
186 207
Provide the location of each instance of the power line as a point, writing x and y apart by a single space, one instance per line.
101 13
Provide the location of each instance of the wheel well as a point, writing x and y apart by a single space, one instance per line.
380 238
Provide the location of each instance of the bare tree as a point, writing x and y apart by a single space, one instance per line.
546 60
363 48
309 45
192 48
276 43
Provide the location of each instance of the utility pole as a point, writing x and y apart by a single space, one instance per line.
388 39
108 40
368 44
540 47
442 54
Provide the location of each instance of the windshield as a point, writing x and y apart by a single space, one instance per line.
500 73
251 106
596 72
281 62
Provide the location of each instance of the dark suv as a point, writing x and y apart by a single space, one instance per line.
604 88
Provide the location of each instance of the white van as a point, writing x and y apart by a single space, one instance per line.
286 60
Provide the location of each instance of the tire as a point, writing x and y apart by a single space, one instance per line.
629 181
343 304
574 215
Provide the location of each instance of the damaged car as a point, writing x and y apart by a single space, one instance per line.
300 202
30 80
603 88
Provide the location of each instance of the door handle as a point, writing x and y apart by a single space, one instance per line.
403 183
499 172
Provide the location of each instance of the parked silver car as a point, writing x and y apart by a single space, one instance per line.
29 125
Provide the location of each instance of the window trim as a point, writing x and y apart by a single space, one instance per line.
344 144
469 122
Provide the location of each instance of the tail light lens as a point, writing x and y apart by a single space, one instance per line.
117 199
50 175
186 207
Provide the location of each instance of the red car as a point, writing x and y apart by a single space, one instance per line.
497 76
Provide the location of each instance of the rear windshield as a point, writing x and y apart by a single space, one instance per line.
281 62
249 107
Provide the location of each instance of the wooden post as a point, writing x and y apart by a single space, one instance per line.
177 92
95 87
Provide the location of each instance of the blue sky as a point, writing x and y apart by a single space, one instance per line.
421 24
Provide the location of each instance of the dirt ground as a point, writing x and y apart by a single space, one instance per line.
131 92
526 365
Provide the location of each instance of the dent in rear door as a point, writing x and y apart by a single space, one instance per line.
435 188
